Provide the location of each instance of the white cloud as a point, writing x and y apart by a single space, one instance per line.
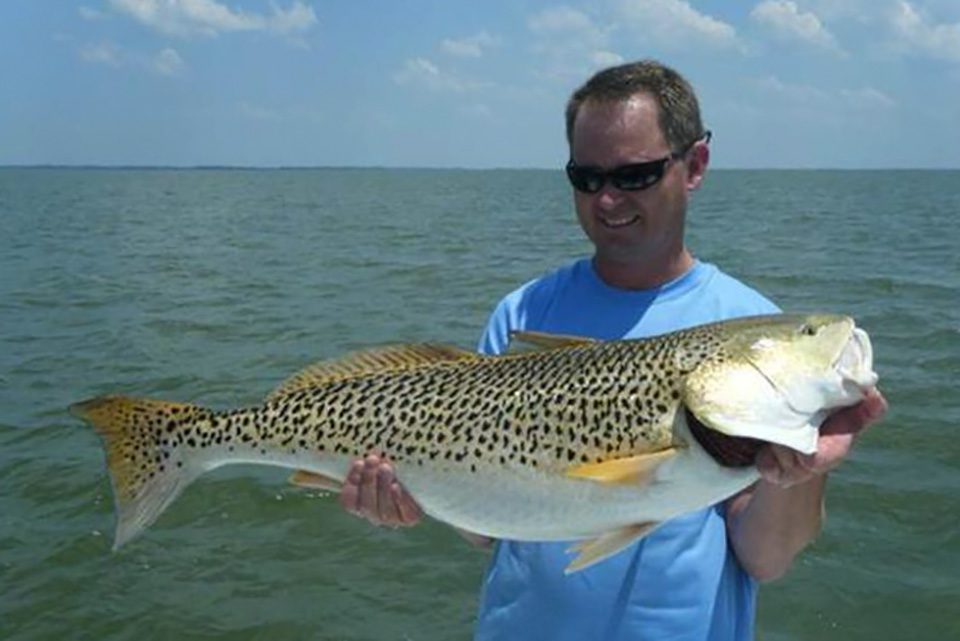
564 20
675 24
103 53
868 98
470 47
796 93
804 97
422 72
185 18
787 22
571 42
606 58
832 10
299 18
168 62
917 33
417 70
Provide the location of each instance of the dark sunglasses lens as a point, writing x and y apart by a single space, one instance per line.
585 179
637 177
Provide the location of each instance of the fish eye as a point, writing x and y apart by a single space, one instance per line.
808 330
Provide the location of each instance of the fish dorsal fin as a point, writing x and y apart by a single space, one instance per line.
632 470
370 361
543 340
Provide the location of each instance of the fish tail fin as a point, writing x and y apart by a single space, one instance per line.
147 452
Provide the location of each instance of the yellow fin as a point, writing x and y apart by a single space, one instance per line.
369 361
606 545
632 470
314 481
543 340
148 463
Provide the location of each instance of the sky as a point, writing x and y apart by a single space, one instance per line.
445 83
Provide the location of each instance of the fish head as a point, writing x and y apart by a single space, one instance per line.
777 378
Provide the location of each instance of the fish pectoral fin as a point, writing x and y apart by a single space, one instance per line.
314 481
631 470
543 340
370 361
606 545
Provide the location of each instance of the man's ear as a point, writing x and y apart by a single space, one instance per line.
697 160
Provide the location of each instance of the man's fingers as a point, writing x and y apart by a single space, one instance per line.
388 513
852 420
782 466
369 503
786 467
410 512
797 473
768 465
371 491
350 492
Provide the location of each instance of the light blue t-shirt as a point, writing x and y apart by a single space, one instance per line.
682 582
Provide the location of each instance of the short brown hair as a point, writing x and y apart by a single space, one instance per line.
679 112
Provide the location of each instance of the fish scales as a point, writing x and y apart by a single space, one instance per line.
514 446
597 405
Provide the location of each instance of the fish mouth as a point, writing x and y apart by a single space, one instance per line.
787 409
618 223
855 362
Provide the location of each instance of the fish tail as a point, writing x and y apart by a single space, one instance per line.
148 459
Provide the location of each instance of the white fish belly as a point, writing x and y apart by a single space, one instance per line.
528 505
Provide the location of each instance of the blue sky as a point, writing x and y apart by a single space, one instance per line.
801 83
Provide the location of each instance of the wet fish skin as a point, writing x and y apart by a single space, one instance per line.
578 441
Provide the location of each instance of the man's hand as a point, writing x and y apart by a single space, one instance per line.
371 491
786 467
771 521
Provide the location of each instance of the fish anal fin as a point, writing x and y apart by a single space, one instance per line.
370 361
606 545
630 470
544 340
314 481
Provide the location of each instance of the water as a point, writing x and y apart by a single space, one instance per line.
212 286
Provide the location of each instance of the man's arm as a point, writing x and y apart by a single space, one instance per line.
773 520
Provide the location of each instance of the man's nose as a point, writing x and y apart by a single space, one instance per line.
609 197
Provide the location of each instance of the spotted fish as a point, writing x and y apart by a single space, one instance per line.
596 442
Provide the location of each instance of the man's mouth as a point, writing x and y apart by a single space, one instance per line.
617 223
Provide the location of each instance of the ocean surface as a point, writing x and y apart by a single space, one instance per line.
211 286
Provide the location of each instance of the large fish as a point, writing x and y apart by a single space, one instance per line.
576 440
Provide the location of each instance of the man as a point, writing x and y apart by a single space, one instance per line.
637 150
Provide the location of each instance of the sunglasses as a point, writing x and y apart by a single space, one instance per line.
632 177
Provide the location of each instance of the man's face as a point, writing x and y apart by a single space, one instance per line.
630 226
